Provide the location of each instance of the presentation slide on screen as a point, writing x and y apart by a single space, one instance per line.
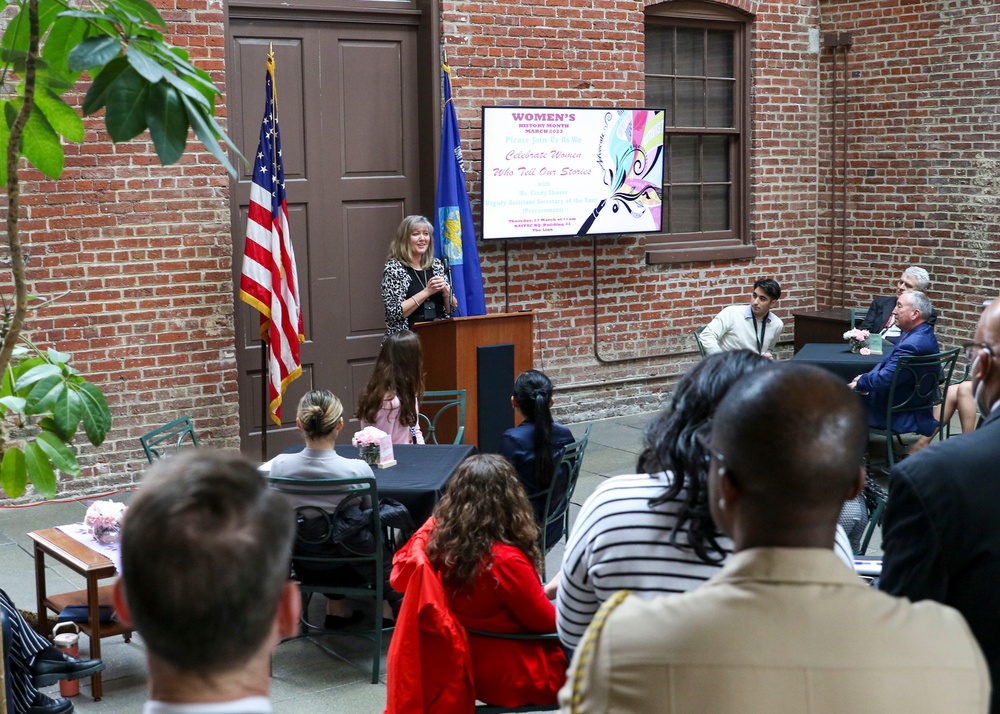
567 171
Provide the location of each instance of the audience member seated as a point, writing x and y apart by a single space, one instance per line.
205 562
534 446
390 399
917 338
320 417
747 327
651 533
881 317
783 628
34 662
940 532
484 542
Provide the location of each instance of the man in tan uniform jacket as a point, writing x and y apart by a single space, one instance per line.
785 627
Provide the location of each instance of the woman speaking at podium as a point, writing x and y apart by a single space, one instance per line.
414 286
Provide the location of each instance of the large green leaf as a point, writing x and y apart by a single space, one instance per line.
206 135
61 455
97 95
167 121
40 470
126 108
67 409
44 395
13 473
41 145
93 52
17 34
60 115
144 10
96 415
57 357
142 63
66 33
39 370
47 423
15 404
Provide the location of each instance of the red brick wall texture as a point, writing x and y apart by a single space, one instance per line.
146 250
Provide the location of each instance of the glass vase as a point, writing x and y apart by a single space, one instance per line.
370 453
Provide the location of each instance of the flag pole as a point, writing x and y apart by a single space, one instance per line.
265 400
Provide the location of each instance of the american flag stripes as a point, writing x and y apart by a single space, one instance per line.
269 281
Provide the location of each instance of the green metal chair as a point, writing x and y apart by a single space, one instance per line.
697 339
877 498
317 528
857 316
168 438
558 495
920 382
451 404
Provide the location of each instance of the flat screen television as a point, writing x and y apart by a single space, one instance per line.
564 171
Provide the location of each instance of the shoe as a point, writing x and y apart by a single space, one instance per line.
50 665
335 622
42 704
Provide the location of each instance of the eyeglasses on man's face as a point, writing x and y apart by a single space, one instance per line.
971 349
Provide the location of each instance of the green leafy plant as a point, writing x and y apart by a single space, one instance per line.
49 48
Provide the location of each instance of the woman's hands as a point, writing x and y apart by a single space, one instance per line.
437 284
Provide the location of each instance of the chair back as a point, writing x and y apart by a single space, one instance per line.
697 339
857 316
447 403
919 383
556 498
330 537
880 498
168 438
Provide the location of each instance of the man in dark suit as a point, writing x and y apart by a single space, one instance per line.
940 533
880 317
917 338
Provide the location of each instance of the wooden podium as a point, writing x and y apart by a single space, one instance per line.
482 355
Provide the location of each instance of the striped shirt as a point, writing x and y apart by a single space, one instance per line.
620 542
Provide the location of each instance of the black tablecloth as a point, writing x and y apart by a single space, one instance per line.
838 358
419 476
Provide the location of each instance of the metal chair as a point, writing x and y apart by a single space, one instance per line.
556 498
498 709
320 544
919 383
857 316
168 438
876 498
435 404
697 339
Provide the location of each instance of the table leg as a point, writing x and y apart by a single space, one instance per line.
94 606
43 612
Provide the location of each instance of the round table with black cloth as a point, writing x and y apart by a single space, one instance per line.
837 357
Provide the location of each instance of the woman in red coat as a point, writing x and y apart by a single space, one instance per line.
484 541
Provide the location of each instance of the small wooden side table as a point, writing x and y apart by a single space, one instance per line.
94 567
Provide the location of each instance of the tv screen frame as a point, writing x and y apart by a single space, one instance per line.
551 172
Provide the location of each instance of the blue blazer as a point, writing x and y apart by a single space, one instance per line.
517 445
878 314
918 341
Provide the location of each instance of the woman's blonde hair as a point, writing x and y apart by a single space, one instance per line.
318 413
399 248
485 504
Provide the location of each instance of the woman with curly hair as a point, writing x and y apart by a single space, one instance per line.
389 400
482 539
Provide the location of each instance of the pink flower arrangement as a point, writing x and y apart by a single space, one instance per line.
368 436
856 335
105 514
865 351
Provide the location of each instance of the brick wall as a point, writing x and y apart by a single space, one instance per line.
624 351
923 163
146 253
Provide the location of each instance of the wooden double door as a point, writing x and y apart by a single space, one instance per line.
349 110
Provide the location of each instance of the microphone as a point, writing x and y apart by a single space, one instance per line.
447 277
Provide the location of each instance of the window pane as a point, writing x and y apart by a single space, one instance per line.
716 213
684 209
715 159
684 159
659 95
720 102
690 52
720 54
659 50
690 103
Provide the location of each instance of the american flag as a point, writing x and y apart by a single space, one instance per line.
270 282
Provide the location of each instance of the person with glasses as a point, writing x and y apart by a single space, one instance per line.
651 532
917 338
881 317
940 533
783 627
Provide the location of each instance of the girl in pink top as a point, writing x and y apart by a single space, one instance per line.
389 401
